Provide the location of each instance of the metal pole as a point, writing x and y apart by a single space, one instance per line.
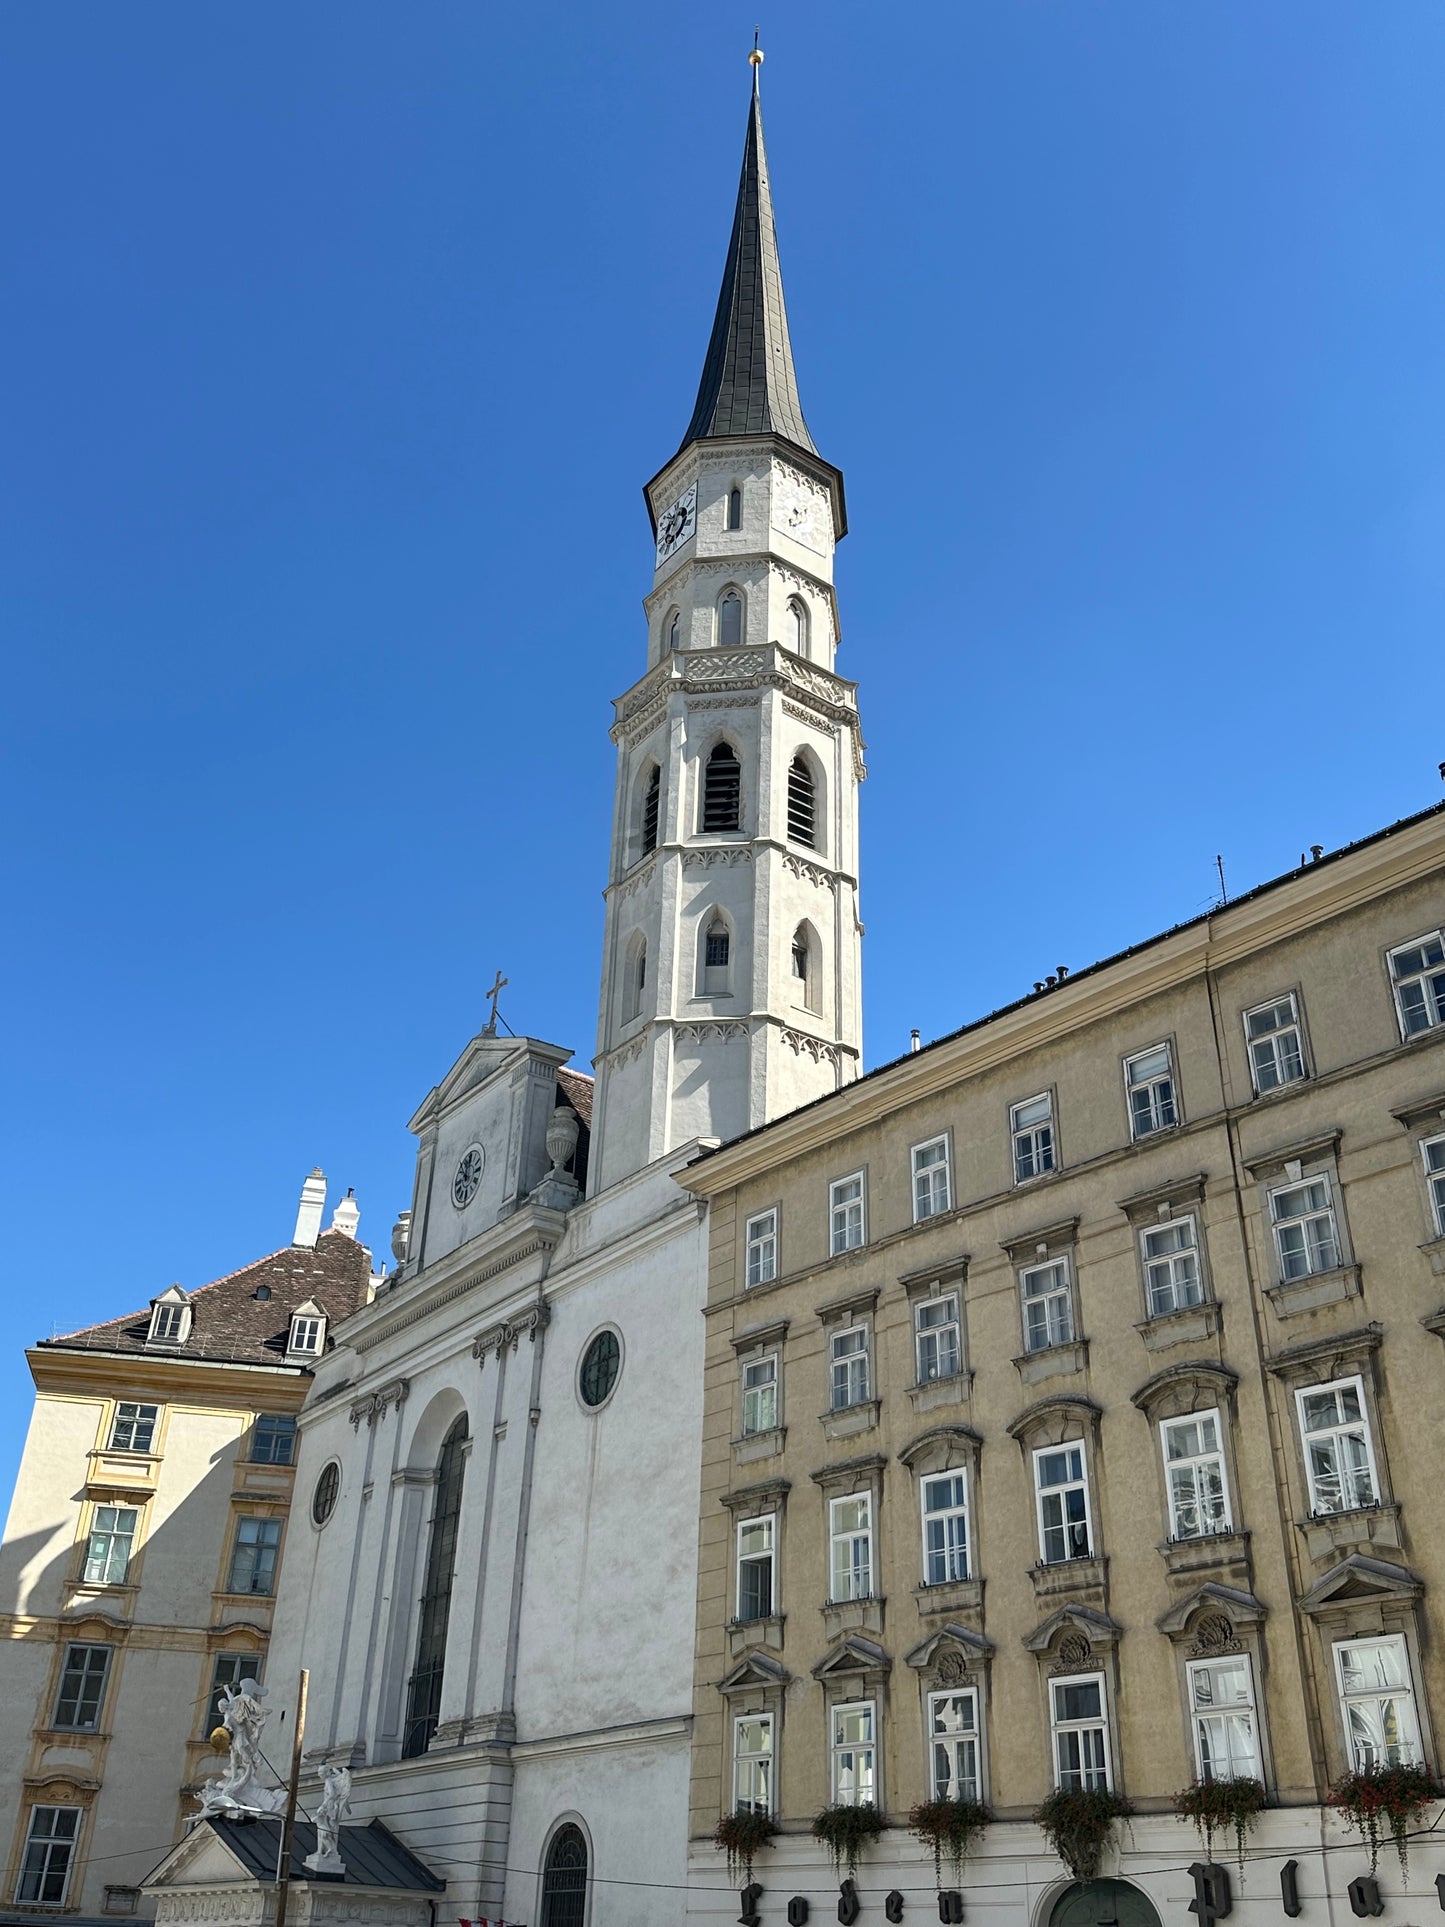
283 1872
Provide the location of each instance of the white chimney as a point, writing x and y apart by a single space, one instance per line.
313 1203
347 1215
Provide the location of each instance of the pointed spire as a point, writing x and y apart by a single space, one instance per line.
748 385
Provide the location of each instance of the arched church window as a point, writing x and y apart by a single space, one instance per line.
635 985
715 978
800 957
719 945
674 630
802 807
564 1879
722 790
651 798
424 1689
807 972
797 627
730 620
735 508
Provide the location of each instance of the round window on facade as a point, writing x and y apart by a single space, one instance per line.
323 1498
601 1362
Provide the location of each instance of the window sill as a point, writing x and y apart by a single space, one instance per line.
1327 1534
1053 1361
949 1596
759 1445
1086 1579
941 1391
747 1635
1183 1327
1221 1556
1293 1295
849 1420
852 1616
1434 1250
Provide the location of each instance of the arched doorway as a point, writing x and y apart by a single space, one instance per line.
564 1879
1103 1903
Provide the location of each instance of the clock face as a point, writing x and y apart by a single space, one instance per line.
677 524
468 1177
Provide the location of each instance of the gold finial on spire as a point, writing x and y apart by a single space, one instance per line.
755 58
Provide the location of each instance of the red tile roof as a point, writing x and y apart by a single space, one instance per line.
575 1088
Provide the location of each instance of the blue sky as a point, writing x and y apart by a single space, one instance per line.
338 342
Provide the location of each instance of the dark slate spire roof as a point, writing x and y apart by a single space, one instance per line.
748 385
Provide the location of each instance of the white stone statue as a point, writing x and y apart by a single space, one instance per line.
334 1806
239 1789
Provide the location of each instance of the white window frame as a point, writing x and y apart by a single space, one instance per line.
756 1394
1267 1050
310 1327
849 1371
113 1534
1060 1728
1076 1482
1376 1697
766 1555
132 1412
1432 1156
1156 1120
1309 1248
1055 1330
847 1216
1341 1429
761 1760
956 1509
170 1323
959 1746
934 1338
1034 1141
1206 1713
1431 981
1164 1270
760 1249
47 1842
851 1537
851 1797
1193 1464
932 1180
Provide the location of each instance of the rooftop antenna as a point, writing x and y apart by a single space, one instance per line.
1223 889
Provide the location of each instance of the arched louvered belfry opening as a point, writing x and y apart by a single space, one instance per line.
722 790
651 803
735 508
424 1688
730 620
802 803
564 1878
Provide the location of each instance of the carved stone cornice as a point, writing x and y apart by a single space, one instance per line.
510 1331
375 1405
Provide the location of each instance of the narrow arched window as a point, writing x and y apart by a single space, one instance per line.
722 790
800 957
735 508
806 971
651 799
719 945
730 620
424 1688
674 630
564 1879
802 806
797 627
636 984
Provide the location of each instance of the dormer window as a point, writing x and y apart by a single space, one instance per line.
308 1331
170 1318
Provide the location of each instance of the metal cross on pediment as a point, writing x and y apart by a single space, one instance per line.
492 995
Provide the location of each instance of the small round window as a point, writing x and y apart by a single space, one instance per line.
601 1363
323 1499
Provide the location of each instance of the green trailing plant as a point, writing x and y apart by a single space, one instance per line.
741 1836
1222 1806
845 1831
1078 1826
1385 1799
950 1828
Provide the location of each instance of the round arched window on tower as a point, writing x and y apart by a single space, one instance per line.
597 1374
324 1494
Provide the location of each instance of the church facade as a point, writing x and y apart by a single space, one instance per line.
492 1578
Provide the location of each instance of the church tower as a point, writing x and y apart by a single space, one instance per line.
730 974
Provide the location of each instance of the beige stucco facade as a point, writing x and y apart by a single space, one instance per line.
1199 1270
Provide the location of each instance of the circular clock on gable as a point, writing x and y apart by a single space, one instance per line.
468 1176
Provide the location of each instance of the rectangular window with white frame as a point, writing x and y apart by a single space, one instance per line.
945 1527
848 1364
1170 1255
757 1560
111 1543
1194 1469
932 1186
1061 1484
937 1337
1048 1305
753 1763
762 1248
1432 1153
850 1534
847 1228
1031 1126
855 1755
1339 1452
760 1395
1149 1080
1276 1044
133 1429
1417 976
49 1855
1079 1717
953 1736
1223 1718
1377 1703
1306 1236
82 1688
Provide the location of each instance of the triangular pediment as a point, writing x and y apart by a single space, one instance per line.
1098 1628
482 1059
1241 1608
853 1654
974 1646
1357 1578
754 1670
202 1859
